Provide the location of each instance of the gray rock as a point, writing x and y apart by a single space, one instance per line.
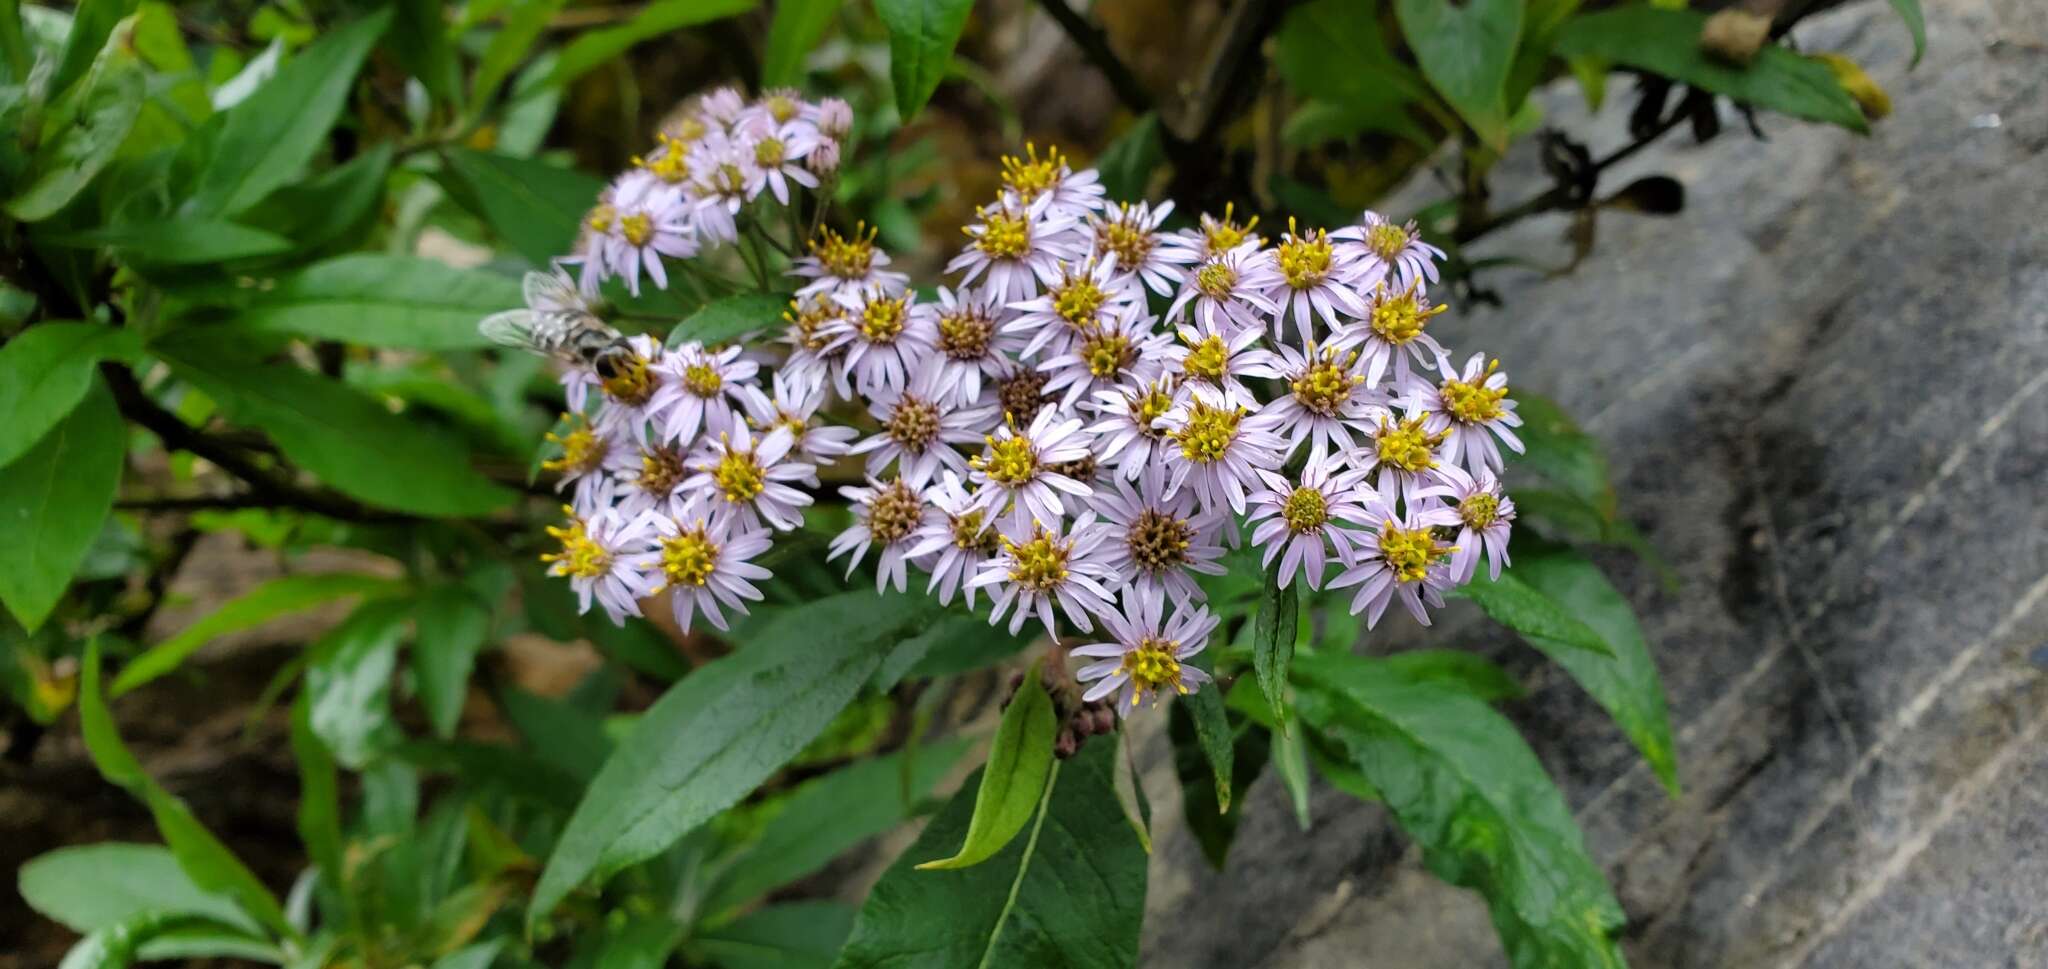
1824 388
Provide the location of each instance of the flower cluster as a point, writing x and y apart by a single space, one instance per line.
1072 431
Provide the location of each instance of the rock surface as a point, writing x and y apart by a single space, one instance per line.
1824 388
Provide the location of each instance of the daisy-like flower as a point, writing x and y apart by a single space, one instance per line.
1013 472
703 567
1130 235
582 462
1128 433
778 107
967 331
634 382
1297 523
645 221
718 192
1229 291
835 118
837 263
1215 236
723 105
920 427
794 408
888 514
1393 332
647 478
1470 408
813 331
700 388
1079 297
1106 354
1397 250
1486 515
1400 559
1316 280
1400 456
745 480
1220 360
596 558
954 544
1032 179
1215 450
884 341
1148 657
1042 565
1156 539
669 162
774 158
1326 400
1017 247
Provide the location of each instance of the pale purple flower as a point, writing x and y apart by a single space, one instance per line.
645 221
1471 409
717 192
1229 290
1402 559
1397 249
1149 654
1401 456
773 159
699 389
1128 434
1014 471
1326 400
1392 332
814 331
1155 539
1081 295
835 118
704 566
596 556
1032 180
748 480
919 427
851 263
1220 360
1130 235
1017 248
582 464
885 341
794 408
1044 565
967 332
888 514
954 544
1298 523
1316 280
723 105
1214 449
1486 516
1214 237
634 385
1111 352
647 478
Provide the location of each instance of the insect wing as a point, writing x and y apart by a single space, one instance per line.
552 292
523 329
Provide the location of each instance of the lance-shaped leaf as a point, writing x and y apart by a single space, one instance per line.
53 501
1018 763
921 38
1273 630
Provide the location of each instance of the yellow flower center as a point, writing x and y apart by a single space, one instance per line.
768 152
1078 300
807 323
601 218
637 228
964 336
1474 402
1304 259
894 513
1406 446
661 470
1225 234
914 424
1031 175
738 475
1004 236
1080 469
1149 406
583 450
688 558
727 179
689 130
1327 383
972 534
1207 359
1153 665
1409 552
1306 510
1399 318
847 257
1041 563
781 107
581 556
1131 242
1386 240
1011 461
1208 433
881 320
1107 353
702 379
1479 510
1216 279
670 166
1159 541
631 380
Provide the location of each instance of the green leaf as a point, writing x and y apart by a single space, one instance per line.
1211 820
91 23
1273 630
793 935
348 682
403 302
523 26
319 816
1461 782
1555 447
1466 672
1667 42
1332 53
825 817
178 242
1127 164
558 733
1071 893
323 209
267 139
1916 24
537 208
1019 761
1212 731
720 731
960 644
207 862
1288 752
45 372
91 887
1544 622
453 624
277 597
921 38
796 29
729 319
1466 51
477 956
420 42
1625 681
84 130
351 441
596 47
53 501
115 946
505 770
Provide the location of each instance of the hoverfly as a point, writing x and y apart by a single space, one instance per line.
557 322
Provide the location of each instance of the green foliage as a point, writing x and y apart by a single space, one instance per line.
1019 762
278 597
922 34
537 208
1916 25
595 48
1273 629
1465 51
53 500
796 29
85 128
730 319
402 302
45 373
